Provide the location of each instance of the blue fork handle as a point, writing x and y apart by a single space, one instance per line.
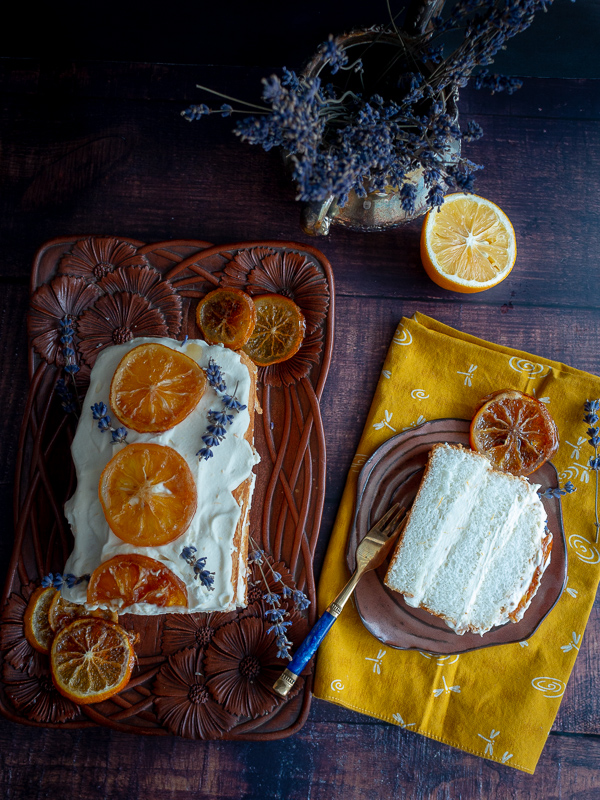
304 654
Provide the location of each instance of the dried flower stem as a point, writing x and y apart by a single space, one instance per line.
591 408
276 614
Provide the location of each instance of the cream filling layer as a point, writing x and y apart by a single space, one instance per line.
213 526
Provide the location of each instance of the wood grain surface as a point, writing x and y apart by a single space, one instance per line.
100 148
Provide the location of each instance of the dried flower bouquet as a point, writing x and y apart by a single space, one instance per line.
387 108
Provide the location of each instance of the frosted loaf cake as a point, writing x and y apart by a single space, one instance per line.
224 483
475 545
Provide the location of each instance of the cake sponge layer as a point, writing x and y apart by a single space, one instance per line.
474 542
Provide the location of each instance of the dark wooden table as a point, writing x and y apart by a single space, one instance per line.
100 148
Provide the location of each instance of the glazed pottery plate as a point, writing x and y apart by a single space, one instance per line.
393 475
110 290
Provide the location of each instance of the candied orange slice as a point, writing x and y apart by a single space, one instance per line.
226 316
128 579
155 387
62 612
278 332
37 628
515 431
148 494
91 659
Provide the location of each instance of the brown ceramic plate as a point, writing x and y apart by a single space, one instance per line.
113 289
393 474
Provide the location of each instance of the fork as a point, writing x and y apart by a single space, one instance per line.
370 554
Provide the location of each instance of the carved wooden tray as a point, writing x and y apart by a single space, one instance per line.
114 289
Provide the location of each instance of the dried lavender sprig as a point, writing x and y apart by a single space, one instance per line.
219 420
591 418
276 613
67 398
58 580
557 492
199 566
215 376
66 338
257 556
100 413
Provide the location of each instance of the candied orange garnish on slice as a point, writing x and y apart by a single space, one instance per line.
37 627
515 431
155 387
148 494
91 659
278 332
127 579
226 316
62 612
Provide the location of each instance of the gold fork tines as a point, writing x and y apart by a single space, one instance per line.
371 552
378 536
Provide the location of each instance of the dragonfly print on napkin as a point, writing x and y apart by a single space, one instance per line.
489 747
445 689
377 661
385 422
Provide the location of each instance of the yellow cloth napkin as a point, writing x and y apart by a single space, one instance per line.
498 702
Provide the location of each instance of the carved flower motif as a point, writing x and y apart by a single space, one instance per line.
241 665
20 654
297 367
115 319
147 282
262 270
182 631
37 697
51 303
183 703
94 258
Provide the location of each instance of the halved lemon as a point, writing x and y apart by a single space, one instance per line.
148 494
37 627
155 387
132 578
469 245
91 659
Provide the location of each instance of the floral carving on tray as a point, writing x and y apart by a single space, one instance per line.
17 650
37 697
235 656
201 692
262 270
242 665
95 257
183 703
62 298
147 282
108 294
115 319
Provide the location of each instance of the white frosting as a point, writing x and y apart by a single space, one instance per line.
213 526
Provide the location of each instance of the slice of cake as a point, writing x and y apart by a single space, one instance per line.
475 545
224 484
